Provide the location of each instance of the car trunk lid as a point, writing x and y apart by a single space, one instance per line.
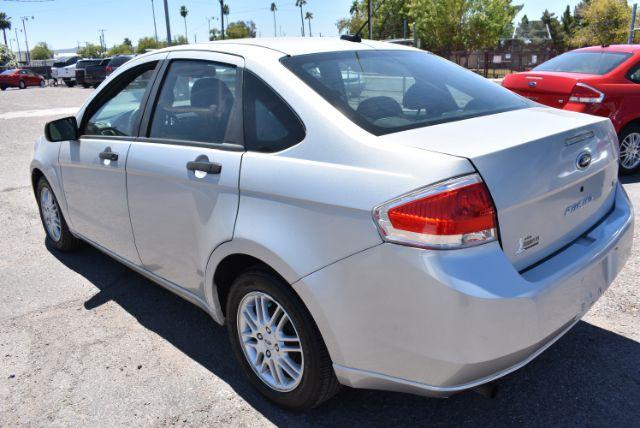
551 89
529 161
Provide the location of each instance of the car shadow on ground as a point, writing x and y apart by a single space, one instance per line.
589 377
633 178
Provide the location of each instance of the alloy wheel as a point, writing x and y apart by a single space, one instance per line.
50 214
270 341
630 151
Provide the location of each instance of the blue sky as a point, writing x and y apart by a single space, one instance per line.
64 23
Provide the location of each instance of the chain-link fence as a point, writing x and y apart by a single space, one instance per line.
498 63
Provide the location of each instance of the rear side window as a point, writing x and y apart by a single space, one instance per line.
118 61
585 62
269 123
195 102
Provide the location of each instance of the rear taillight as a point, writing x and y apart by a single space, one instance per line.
583 93
451 214
109 69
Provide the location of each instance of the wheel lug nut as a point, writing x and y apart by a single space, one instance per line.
268 330
268 354
259 336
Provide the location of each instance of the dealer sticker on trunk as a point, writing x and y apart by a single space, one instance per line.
527 242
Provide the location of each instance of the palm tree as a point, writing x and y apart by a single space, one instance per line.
309 16
273 9
300 3
355 8
5 24
225 11
183 13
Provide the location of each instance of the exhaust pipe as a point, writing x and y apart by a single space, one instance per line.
488 390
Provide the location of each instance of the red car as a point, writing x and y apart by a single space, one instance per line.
20 78
602 80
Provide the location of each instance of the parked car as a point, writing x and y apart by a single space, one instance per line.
116 62
600 80
432 235
81 67
20 78
96 73
65 69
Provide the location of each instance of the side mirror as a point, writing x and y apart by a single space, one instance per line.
62 129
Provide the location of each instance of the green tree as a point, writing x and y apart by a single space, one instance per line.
602 22
183 13
124 48
444 25
41 51
241 30
180 40
5 24
309 16
555 29
7 57
214 34
148 43
91 50
568 22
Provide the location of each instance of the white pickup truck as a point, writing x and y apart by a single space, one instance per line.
65 69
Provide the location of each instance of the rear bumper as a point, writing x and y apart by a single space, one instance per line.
438 322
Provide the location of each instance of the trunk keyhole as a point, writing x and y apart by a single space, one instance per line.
581 188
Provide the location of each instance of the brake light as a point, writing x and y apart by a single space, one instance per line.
583 93
455 213
109 69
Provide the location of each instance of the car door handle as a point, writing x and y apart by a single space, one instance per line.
204 166
108 155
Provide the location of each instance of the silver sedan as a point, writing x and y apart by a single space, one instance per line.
428 232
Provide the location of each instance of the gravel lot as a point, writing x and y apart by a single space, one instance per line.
86 341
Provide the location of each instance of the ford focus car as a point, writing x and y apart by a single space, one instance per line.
599 80
428 233
20 78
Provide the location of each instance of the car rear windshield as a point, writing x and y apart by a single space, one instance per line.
390 91
595 62
84 63
118 61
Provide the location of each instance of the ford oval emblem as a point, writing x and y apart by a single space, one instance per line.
584 160
533 84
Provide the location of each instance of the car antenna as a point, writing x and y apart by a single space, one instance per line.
356 37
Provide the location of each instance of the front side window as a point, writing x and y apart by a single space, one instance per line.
585 62
391 91
195 102
269 123
118 115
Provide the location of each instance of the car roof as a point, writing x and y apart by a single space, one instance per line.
289 45
611 48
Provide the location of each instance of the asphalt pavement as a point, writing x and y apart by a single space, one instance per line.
86 341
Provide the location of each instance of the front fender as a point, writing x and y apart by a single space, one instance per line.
45 159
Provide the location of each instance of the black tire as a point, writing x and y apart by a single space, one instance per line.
318 382
86 85
69 83
3 88
627 131
66 242
43 83
22 85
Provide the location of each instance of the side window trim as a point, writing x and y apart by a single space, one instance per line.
234 137
107 94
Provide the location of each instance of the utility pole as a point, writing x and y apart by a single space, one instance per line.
370 24
632 28
222 18
103 43
166 18
26 40
155 29
18 42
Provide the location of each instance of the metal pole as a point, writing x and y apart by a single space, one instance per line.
222 18
370 24
415 36
18 42
632 28
155 29
405 29
26 40
166 17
